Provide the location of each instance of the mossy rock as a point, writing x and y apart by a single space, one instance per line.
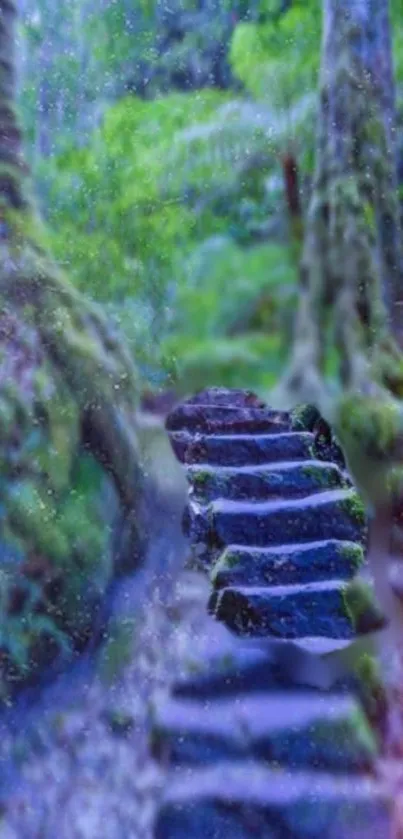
353 552
361 607
355 508
372 690
304 417
58 509
372 423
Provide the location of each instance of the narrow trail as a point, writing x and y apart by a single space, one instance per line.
74 754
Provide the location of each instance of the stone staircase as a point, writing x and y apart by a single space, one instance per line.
254 746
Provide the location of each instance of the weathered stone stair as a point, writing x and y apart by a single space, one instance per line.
275 522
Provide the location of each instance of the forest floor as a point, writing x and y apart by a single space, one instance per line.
75 758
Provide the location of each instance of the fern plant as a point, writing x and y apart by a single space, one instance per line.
24 630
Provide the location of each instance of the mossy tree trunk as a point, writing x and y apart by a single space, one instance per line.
369 41
351 274
346 357
67 399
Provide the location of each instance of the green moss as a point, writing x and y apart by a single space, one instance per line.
26 225
321 476
355 508
372 689
71 531
353 553
120 722
368 671
200 478
68 372
226 561
361 608
304 417
7 416
352 732
117 652
364 732
310 471
33 516
395 482
63 437
371 424
369 215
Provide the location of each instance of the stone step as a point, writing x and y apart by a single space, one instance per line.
334 514
313 731
219 419
242 449
250 800
226 396
295 611
259 483
287 564
227 665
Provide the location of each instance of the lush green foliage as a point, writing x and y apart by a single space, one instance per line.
153 219
278 60
169 199
172 212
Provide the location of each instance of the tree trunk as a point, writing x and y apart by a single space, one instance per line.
371 48
346 359
351 264
67 403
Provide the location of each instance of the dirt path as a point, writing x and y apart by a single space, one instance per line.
75 758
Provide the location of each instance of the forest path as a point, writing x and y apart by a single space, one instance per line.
104 758
74 755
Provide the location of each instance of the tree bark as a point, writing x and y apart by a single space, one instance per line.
67 391
371 48
13 170
350 270
100 373
346 358
351 263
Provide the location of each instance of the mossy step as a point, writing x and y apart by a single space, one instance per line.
231 397
279 481
249 800
334 514
296 611
226 420
328 733
287 564
281 664
242 449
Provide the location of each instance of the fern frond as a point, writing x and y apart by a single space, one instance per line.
216 153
